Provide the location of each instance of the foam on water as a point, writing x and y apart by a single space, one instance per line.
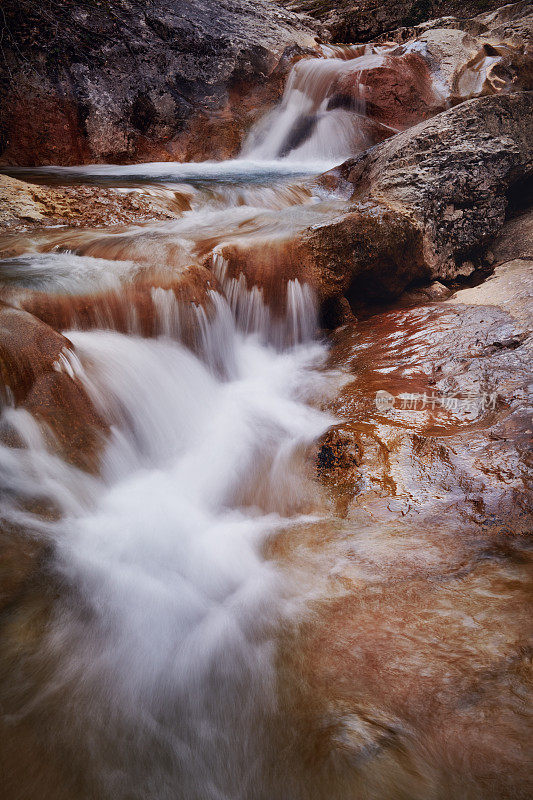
308 125
169 638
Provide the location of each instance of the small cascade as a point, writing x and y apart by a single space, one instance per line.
163 633
318 119
296 325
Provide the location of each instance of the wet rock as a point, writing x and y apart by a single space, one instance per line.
434 292
36 375
20 557
70 422
29 205
397 93
135 309
452 175
28 349
86 82
418 645
369 251
456 427
433 69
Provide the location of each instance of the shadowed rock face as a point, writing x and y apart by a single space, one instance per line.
347 21
86 82
368 245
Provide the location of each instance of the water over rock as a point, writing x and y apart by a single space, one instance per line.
30 205
36 375
441 389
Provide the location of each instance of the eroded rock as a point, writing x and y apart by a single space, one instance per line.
131 82
35 374
452 175
29 205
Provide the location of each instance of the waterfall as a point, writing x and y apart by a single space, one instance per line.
318 119
162 642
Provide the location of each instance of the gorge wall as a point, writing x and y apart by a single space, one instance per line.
105 81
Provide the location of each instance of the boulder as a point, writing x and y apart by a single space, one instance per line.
398 92
35 374
30 205
439 405
431 71
91 82
452 176
423 206
364 249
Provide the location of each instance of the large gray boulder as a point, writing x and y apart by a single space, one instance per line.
453 176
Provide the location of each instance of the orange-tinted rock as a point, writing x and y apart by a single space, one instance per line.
368 252
130 309
121 86
32 366
77 431
398 93
28 350
28 204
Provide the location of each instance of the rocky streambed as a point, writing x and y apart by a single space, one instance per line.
266 422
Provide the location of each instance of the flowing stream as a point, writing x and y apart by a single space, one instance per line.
152 659
157 664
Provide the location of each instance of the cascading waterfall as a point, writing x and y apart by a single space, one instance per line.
202 597
316 120
162 641
155 674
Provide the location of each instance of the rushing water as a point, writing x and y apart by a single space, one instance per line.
158 661
316 119
158 653
169 641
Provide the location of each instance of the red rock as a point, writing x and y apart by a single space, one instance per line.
31 355
398 93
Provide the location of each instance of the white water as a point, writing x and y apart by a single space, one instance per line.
309 125
164 640
159 677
